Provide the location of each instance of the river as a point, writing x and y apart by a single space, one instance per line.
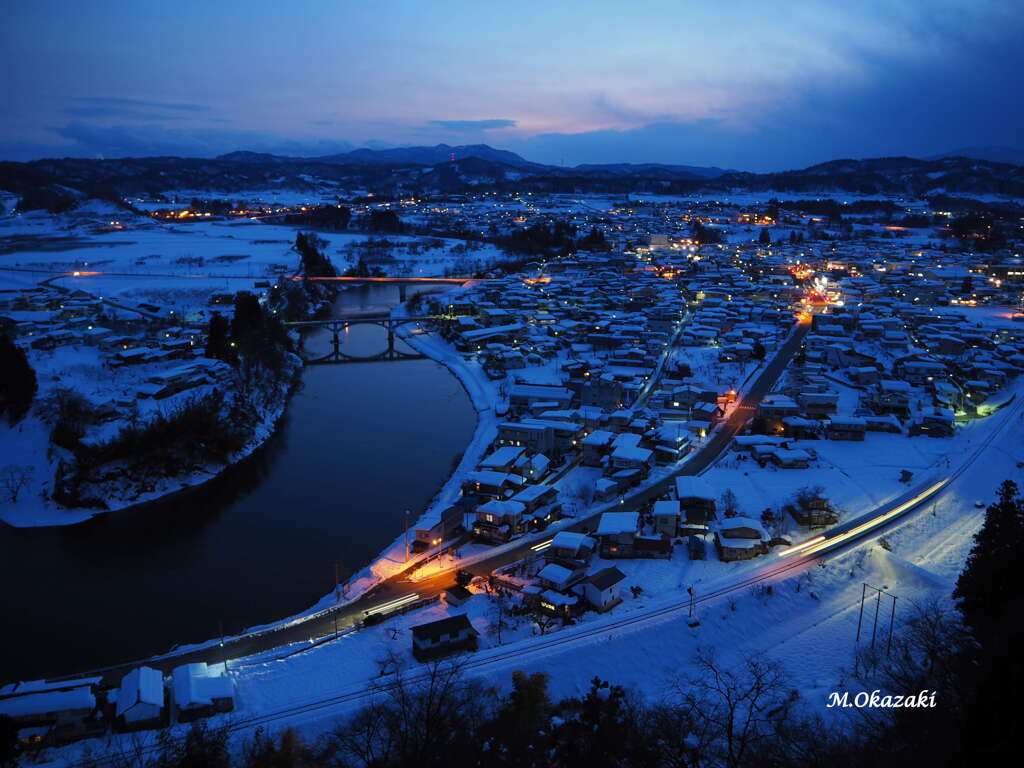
359 445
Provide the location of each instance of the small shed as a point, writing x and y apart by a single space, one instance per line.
443 637
140 699
199 691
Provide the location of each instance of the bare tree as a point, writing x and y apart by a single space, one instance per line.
13 479
544 622
499 614
742 706
421 715
730 504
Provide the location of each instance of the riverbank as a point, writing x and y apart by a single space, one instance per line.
484 396
30 442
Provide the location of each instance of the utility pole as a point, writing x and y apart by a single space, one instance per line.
223 649
407 535
874 625
860 617
892 618
337 597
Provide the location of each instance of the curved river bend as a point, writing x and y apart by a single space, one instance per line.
359 445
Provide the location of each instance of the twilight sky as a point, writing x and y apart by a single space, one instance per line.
740 84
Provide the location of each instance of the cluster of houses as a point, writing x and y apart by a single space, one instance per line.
942 369
54 713
166 359
595 328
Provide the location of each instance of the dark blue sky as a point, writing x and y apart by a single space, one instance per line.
752 85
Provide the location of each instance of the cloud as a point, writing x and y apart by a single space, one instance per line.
463 126
115 103
99 107
83 139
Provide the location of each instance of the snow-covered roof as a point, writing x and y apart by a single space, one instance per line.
194 686
555 573
606 578
572 540
617 522
46 702
531 493
502 456
666 508
692 487
143 685
501 508
731 523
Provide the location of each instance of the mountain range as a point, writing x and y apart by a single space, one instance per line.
452 169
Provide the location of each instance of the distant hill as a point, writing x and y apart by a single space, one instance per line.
655 169
994 154
888 176
441 153
426 170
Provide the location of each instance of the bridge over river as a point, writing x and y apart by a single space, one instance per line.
339 327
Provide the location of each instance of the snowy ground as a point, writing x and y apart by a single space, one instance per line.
808 621
178 265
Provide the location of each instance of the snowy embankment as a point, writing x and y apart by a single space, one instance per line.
30 442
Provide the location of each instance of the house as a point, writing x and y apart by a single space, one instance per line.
524 395
199 692
561 575
696 498
539 437
570 545
66 712
451 520
140 699
846 428
666 517
596 446
455 596
790 458
443 637
557 603
490 485
616 531
532 497
503 459
740 538
497 521
935 422
627 453
818 404
602 589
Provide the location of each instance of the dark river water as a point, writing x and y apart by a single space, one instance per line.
360 444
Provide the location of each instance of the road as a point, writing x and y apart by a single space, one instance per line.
324 623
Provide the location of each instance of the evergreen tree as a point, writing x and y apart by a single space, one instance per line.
383 220
217 342
248 317
991 587
18 383
765 237
312 258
